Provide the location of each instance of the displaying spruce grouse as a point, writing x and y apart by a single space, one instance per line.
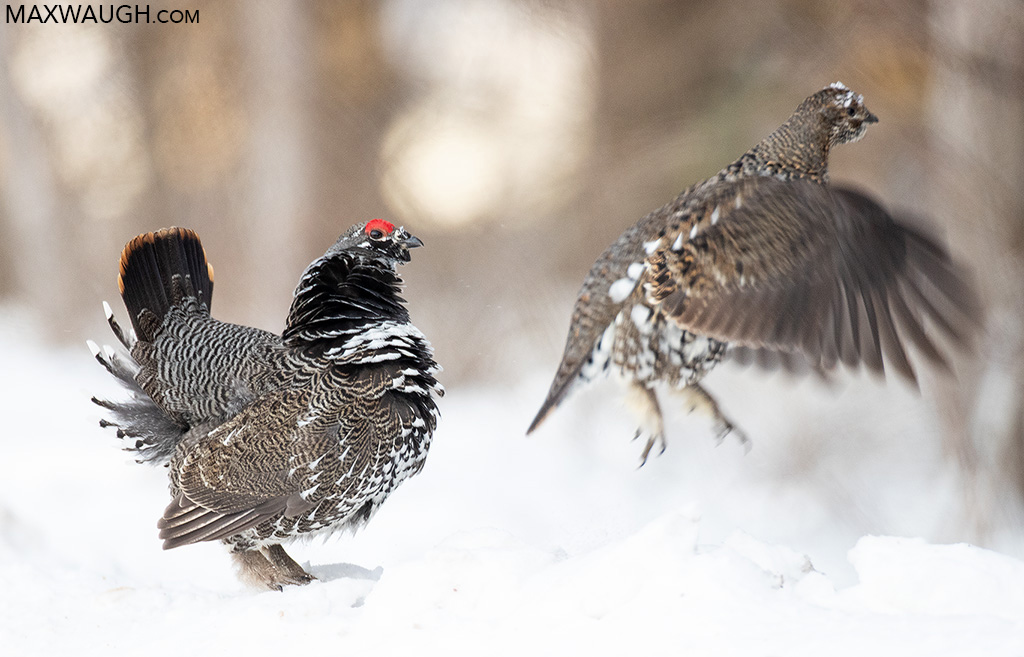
769 261
269 437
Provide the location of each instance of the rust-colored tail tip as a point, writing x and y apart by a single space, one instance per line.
137 242
133 245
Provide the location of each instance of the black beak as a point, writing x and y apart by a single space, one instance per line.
870 118
412 242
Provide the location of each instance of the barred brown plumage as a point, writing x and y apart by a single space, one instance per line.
766 261
269 437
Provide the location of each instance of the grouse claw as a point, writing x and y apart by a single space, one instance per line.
723 428
652 438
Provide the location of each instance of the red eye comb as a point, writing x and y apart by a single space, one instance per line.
379 224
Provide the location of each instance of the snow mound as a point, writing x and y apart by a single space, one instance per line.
908 575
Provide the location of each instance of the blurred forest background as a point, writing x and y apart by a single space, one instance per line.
517 138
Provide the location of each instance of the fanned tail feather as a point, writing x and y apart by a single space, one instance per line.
157 271
145 429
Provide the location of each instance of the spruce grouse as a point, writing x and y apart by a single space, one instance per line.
269 437
769 262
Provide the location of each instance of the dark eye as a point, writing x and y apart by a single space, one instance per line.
376 234
850 111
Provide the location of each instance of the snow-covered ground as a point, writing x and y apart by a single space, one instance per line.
835 535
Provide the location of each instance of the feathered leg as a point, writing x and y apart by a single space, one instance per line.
644 403
269 567
697 398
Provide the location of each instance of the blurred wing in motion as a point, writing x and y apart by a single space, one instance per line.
801 275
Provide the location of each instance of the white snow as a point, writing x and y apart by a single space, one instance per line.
505 545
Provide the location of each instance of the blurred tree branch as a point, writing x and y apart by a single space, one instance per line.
976 112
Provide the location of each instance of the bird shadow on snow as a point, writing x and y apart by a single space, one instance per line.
329 572
362 579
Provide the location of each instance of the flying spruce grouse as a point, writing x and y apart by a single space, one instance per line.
269 437
768 261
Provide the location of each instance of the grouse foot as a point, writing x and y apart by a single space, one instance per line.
644 403
698 399
270 567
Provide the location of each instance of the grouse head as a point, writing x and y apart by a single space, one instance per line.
843 111
378 240
352 285
799 148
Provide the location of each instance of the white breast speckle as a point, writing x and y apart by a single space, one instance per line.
678 244
714 215
597 364
696 348
226 440
620 290
652 246
640 314
693 231
306 420
607 338
634 270
382 356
